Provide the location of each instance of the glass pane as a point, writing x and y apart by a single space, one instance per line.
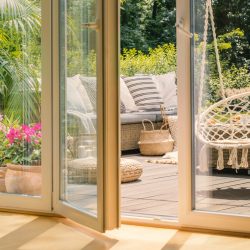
20 97
221 107
78 106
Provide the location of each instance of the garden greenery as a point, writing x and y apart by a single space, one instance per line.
157 61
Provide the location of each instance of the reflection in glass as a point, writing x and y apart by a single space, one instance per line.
20 98
78 84
221 108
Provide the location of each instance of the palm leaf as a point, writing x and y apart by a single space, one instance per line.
21 15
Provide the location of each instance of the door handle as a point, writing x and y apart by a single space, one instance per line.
180 27
94 26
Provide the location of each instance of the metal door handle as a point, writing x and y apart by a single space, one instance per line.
180 27
94 26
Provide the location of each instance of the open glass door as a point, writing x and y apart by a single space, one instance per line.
25 127
214 105
79 122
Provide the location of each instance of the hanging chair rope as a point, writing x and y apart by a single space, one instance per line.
221 125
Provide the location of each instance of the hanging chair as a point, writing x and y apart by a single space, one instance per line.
225 124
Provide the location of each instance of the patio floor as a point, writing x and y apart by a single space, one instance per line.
155 195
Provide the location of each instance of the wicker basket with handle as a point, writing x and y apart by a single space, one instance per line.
155 142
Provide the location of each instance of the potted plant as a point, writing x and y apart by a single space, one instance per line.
20 152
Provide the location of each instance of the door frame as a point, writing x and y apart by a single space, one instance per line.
108 122
188 216
43 203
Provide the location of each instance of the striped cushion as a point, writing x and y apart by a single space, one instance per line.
144 92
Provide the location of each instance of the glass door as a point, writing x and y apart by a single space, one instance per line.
215 184
25 130
79 122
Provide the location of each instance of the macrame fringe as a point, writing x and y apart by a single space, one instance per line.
233 159
244 158
220 161
204 159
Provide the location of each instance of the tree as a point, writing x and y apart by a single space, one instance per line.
147 23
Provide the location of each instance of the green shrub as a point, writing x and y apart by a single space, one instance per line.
233 78
157 61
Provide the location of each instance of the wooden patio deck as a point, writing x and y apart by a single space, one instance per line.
155 195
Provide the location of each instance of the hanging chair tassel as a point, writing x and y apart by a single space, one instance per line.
233 159
220 161
244 158
204 158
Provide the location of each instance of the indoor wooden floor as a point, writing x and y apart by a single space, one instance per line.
29 232
155 195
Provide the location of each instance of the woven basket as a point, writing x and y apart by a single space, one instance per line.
130 134
155 142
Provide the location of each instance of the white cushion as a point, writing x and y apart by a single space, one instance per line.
126 97
77 97
166 85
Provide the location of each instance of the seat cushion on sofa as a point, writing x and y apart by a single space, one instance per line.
166 85
143 89
137 117
126 98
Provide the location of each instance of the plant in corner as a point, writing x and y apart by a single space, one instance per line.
20 152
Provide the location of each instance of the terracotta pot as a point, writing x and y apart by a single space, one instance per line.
21 179
2 179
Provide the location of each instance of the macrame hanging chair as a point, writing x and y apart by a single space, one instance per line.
225 124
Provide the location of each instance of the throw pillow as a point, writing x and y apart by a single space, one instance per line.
89 84
144 92
126 97
77 97
122 108
166 84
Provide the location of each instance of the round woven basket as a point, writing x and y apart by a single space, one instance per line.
155 141
84 171
156 148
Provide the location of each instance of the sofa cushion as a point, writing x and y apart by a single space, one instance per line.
89 84
144 92
166 84
77 97
126 98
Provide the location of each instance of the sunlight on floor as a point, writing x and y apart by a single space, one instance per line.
26 232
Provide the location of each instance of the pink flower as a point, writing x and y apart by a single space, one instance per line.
12 134
37 126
